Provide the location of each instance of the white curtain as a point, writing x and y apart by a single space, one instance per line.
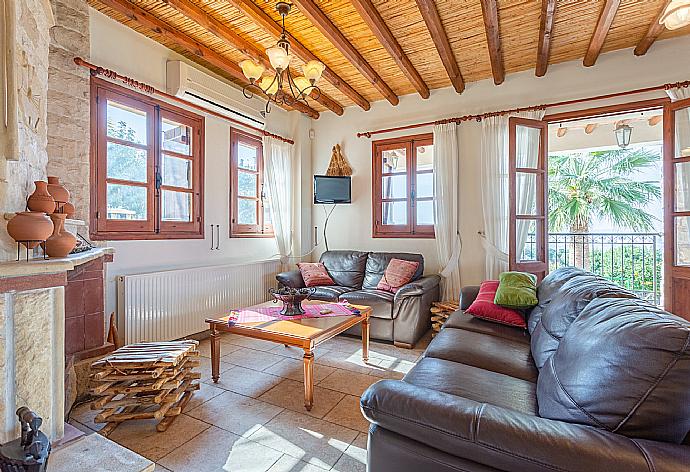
278 174
446 204
495 204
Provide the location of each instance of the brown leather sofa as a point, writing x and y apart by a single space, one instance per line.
402 317
600 382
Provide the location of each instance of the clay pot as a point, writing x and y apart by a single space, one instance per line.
62 241
59 193
41 199
68 210
32 226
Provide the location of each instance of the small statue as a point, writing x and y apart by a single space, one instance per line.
30 452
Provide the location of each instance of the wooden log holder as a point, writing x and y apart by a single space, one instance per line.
440 311
145 381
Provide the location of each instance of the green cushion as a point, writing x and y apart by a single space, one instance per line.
517 290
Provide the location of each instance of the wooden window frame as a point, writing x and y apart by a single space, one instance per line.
411 229
154 227
261 229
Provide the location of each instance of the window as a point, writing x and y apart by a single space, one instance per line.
250 212
403 184
147 166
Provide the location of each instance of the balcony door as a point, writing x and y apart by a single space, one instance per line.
677 207
528 229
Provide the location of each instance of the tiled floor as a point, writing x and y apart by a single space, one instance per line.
254 420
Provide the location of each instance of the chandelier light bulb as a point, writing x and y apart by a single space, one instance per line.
252 70
280 59
312 70
302 83
269 84
676 15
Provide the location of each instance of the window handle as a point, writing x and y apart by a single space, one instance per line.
159 180
217 236
212 238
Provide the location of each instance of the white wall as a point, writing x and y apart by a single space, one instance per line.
124 50
350 226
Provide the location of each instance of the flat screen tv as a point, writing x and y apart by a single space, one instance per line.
332 189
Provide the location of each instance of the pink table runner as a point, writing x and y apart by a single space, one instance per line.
257 315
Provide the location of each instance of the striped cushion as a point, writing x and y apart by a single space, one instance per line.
397 274
314 274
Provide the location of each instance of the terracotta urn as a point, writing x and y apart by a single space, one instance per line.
62 241
59 193
68 210
41 199
32 226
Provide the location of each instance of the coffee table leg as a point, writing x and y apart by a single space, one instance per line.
365 340
215 355
308 379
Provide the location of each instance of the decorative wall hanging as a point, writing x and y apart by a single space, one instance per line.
338 165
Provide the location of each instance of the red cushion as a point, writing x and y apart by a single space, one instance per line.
398 273
485 308
314 274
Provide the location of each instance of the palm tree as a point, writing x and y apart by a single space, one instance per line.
598 184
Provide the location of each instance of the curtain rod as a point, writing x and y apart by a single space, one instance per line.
479 117
113 75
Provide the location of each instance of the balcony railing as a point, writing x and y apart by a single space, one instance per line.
632 260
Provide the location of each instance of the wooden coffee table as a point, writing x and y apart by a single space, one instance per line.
305 333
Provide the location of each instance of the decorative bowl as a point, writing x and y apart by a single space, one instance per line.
292 299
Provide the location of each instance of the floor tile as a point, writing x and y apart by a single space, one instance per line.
294 369
235 413
247 382
387 366
341 360
205 368
83 428
142 437
345 344
354 459
219 450
347 413
297 352
290 394
205 393
244 341
303 437
290 464
251 358
160 468
352 383
84 415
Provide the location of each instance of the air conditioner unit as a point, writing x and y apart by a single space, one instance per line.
191 84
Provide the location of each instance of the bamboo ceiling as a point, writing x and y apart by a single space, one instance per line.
574 23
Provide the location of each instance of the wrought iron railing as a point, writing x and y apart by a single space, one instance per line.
632 260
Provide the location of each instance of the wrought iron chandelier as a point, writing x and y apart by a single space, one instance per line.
282 88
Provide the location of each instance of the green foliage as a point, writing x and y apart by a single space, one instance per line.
126 163
598 184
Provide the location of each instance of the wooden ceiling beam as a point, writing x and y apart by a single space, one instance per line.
548 10
655 29
438 34
372 17
608 13
160 28
493 39
263 20
250 50
319 19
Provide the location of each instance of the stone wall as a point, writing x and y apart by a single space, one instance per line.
68 102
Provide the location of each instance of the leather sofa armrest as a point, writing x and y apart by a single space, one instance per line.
419 287
291 279
468 294
509 440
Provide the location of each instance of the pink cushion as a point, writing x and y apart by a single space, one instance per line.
485 308
398 273
314 274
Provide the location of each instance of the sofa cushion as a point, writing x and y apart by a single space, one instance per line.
485 308
398 273
475 384
330 293
624 365
345 267
548 287
378 261
380 301
460 320
517 290
314 274
565 306
485 351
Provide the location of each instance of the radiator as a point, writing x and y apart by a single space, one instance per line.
167 305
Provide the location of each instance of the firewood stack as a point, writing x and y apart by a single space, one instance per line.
440 311
145 381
